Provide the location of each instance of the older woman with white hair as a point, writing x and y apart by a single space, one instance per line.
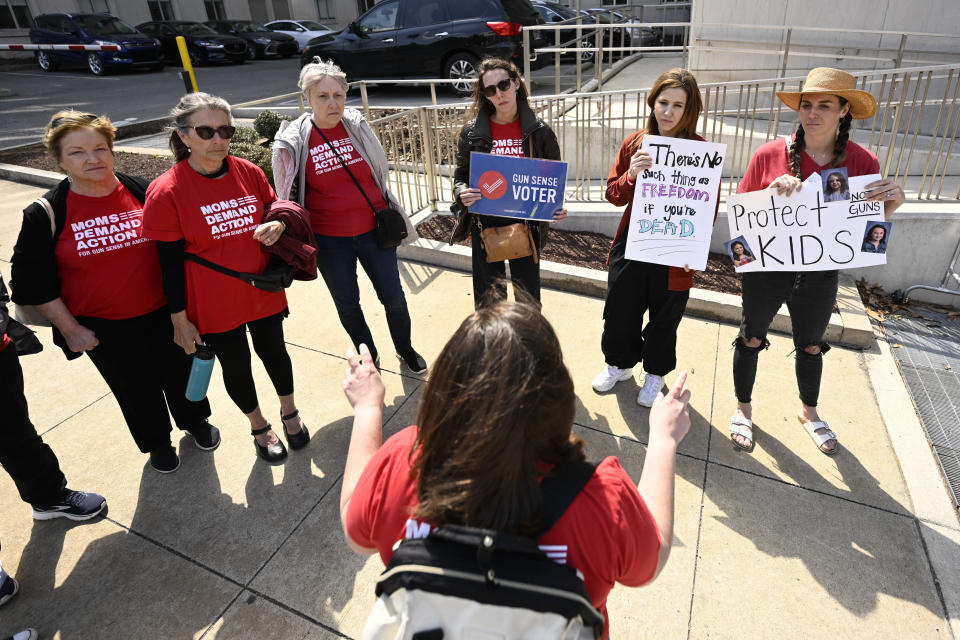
330 161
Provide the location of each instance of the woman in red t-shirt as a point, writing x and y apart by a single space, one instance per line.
634 287
82 259
496 416
211 205
827 104
505 125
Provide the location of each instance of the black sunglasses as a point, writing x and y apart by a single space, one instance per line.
86 117
491 89
226 131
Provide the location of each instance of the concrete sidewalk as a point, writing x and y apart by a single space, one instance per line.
782 543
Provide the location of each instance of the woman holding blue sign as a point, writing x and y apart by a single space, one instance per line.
505 125
634 287
826 105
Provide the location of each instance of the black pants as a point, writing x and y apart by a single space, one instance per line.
810 297
147 373
488 277
233 352
634 288
29 461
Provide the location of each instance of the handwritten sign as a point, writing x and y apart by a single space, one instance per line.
510 187
803 232
674 202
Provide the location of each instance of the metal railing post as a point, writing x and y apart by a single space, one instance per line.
428 159
556 62
903 45
365 100
579 58
786 52
598 58
526 58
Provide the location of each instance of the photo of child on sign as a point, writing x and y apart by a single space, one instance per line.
739 251
835 185
510 187
674 202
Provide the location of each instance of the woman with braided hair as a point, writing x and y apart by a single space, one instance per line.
827 104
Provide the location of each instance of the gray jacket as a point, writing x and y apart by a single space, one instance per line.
290 177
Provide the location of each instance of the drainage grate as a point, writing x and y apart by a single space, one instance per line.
929 359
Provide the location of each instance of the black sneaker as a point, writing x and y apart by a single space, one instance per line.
205 436
75 505
164 459
413 360
8 589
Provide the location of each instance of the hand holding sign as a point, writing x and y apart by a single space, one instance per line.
510 187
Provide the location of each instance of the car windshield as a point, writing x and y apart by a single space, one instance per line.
563 11
312 26
104 25
249 27
194 29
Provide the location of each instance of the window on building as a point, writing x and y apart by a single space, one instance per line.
281 10
93 6
160 9
325 9
215 10
15 14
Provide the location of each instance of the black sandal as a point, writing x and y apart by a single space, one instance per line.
271 452
299 439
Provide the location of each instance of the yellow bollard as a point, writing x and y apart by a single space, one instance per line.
185 59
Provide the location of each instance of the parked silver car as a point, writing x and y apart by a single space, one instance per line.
302 30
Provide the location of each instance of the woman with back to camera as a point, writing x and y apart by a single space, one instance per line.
837 188
211 205
876 240
635 287
88 268
504 125
330 161
826 106
496 415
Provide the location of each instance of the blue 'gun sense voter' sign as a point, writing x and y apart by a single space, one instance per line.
512 187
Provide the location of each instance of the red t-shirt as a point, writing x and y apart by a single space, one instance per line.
107 268
770 161
216 218
607 533
4 341
336 206
507 139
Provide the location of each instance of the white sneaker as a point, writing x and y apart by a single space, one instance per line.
26 634
651 389
610 376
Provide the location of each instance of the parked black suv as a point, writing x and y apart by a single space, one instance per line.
203 43
136 49
261 42
426 39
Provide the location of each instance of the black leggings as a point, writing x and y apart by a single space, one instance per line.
810 297
233 352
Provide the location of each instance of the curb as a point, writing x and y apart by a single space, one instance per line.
850 328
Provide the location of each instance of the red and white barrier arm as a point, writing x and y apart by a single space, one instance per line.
59 47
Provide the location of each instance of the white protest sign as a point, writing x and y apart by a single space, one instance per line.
801 232
674 202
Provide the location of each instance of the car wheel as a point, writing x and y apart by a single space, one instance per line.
587 56
195 60
95 64
251 52
45 61
463 68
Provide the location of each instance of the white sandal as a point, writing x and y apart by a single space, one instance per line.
737 424
821 438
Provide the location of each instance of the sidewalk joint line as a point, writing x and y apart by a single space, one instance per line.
75 414
412 376
933 571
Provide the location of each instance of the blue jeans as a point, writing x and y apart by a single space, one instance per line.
337 261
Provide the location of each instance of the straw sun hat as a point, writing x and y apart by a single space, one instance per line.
839 83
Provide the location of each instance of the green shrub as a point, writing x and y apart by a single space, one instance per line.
268 123
256 154
244 135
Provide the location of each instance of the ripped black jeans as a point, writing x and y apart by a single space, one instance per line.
810 297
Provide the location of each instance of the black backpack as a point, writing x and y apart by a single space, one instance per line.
462 582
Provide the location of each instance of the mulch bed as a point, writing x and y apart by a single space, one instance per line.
586 249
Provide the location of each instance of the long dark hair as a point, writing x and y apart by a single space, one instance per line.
675 79
843 183
499 402
746 252
480 101
839 148
883 240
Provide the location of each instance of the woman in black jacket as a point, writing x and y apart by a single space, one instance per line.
82 261
505 125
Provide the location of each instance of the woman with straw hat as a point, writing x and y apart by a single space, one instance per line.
826 105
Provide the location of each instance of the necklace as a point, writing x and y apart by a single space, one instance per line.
816 157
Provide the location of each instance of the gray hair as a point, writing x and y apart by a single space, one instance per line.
189 104
316 71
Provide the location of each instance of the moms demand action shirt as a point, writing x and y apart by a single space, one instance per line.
507 139
607 533
107 269
336 206
216 218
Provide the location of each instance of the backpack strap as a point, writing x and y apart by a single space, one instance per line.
45 204
560 489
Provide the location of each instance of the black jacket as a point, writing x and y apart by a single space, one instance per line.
539 141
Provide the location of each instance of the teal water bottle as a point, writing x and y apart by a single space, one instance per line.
200 372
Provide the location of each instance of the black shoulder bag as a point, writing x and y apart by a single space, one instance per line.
391 227
276 277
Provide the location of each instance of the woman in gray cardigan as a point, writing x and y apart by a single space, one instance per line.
330 161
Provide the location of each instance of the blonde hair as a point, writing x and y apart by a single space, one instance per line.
70 120
315 71
189 104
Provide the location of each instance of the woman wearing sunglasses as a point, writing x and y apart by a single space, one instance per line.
504 125
82 261
211 205
330 161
